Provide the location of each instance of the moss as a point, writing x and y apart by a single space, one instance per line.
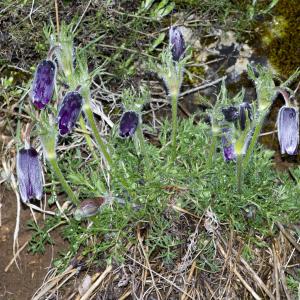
282 38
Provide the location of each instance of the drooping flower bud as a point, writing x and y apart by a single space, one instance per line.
43 84
176 42
128 124
230 113
30 176
288 129
228 147
238 115
69 112
245 112
88 208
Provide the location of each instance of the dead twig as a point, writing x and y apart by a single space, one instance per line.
202 87
288 236
89 292
250 270
148 264
239 276
15 256
56 16
276 276
157 274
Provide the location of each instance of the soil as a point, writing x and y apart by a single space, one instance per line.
21 283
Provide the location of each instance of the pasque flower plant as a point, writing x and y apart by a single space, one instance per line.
171 71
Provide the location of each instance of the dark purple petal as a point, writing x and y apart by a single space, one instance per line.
177 43
43 84
128 124
29 172
88 208
240 114
288 130
69 112
228 147
230 113
245 111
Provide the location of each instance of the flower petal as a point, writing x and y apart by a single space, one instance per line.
288 130
43 84
245 111
29 172
177 43
69 112
230 113
228 147
128 124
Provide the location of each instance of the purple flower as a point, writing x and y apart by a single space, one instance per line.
230 113
88 208
245 112
68 112
240 114
288 129
177 43
43 84
128 124
30 176
228 147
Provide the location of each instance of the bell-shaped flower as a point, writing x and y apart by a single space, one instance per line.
245 112
176 42
228 146
230 113
69 112
43 84
288 129
88 208
239 115
128 124
29 173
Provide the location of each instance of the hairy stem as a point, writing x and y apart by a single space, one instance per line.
254 138
101 144
174 98
239 172
61 178
87 137
140 136
212 149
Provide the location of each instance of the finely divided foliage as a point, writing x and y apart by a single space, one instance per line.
148 185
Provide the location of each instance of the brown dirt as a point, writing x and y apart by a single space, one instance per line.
21 284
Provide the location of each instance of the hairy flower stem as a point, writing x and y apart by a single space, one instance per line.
174 100
140 136
254 138
87 137
102 147
65 185
239 172
212 149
